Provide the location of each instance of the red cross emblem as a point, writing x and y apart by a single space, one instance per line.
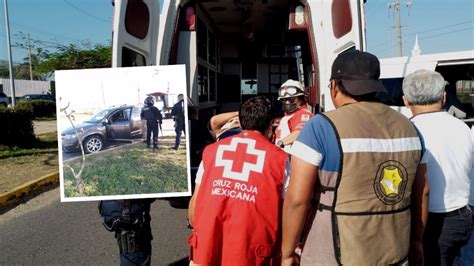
248 159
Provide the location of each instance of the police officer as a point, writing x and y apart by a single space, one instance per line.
152 116
178 113
130 220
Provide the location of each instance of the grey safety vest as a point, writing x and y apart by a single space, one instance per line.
363 210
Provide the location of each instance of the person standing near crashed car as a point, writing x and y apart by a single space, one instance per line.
153 116
179 118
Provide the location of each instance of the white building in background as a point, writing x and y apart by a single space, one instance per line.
24 87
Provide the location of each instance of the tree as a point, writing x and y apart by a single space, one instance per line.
4 72
75 57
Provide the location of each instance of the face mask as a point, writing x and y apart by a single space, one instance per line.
289 105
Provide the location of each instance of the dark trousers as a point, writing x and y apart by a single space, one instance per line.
445 235
467 252
111 210
136 258
152 126
178 130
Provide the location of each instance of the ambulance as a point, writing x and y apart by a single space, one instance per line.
236 49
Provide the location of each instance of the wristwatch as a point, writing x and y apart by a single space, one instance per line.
280 144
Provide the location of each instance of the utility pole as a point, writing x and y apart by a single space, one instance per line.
29 53
9 47
396 5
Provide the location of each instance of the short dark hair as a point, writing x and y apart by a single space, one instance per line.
256 114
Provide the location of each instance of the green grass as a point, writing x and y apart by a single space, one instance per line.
130 169
45 143
46 118
20 165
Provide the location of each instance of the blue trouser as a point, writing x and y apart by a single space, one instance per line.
445 234
112 210
179 127
467 252
152 126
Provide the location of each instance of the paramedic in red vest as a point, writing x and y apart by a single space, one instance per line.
292 97
236 207
368 164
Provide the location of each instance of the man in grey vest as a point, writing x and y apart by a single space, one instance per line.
364 161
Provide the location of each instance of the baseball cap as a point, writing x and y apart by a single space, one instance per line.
358 71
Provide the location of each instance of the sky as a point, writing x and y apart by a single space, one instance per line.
441 25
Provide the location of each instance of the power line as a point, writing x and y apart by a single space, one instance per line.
428 37
430 30
440 28
446 33
36 30
85 12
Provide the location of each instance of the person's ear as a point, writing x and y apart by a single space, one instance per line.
443 99
333 89
405 101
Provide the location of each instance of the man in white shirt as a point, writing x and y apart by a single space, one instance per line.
467 252
450 156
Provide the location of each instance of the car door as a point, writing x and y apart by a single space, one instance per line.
136 123
119 124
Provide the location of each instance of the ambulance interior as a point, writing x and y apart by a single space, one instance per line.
244 48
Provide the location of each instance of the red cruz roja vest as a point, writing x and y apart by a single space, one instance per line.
238 207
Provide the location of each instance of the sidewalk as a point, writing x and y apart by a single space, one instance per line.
18 192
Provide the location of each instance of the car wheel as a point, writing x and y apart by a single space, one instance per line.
93 144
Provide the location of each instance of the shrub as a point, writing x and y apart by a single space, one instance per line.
39 108
17 127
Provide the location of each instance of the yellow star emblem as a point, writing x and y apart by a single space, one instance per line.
391 181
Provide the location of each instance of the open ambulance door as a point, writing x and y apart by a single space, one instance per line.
135 32
337 26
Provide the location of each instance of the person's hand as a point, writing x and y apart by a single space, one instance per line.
415 255
292 260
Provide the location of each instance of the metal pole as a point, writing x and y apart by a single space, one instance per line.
10 61
399 29
29 53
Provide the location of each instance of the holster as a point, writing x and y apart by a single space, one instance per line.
128 241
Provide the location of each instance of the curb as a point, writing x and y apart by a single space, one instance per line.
19 192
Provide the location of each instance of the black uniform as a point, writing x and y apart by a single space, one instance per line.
178 113
130 220
152 116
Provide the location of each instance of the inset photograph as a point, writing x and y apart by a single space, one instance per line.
122 133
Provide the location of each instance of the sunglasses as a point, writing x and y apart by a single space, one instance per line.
287 91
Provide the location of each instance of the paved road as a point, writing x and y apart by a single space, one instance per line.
45 231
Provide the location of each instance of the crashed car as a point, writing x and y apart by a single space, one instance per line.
114 124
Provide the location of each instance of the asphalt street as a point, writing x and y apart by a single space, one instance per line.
45 231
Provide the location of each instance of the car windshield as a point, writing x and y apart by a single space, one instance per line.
98 116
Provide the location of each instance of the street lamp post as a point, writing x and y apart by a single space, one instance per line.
9 49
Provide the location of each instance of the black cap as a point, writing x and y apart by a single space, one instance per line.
358 71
